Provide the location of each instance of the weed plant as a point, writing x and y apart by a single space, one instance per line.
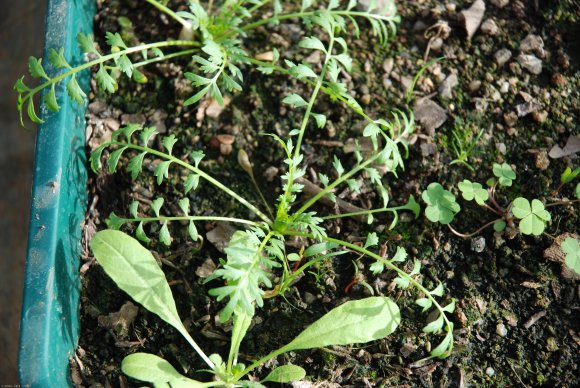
213 36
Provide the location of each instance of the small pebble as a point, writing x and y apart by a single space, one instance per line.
502 56
500 3
531 63
436 44
510 118
542 160
478 244
489 371
505 87
489 27
474 86
540 116
501 148
559 80
501 330
532 43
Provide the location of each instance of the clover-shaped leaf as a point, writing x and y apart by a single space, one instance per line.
442 206
533 217
571 247
471 190
505 173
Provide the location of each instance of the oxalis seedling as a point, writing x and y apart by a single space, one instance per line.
531 216
253 253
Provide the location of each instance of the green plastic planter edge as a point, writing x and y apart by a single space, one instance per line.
50 320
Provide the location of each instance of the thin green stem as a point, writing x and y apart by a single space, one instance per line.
311 13
312 83
192 218
313 96
164 58
105 58
365 212
201 173
341 179
302 130
266 204
170 13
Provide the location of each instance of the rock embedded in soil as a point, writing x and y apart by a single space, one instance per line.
531 63
572 146
501 330
542 161
478 244
526 108
532 43
429 114
489 27
472 17
500 3
447 86
502 56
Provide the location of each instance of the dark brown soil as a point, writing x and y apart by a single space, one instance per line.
517 318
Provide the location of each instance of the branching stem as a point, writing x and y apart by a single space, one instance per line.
105 58
169 13
201 173
192 218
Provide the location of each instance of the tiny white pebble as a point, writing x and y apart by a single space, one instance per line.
489 371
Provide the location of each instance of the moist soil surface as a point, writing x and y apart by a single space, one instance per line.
517 320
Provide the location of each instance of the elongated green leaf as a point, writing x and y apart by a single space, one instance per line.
286 374
32 112
50 99
357 321
135 271
294 100
164 235
153 369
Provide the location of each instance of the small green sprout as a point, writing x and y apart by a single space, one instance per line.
571 247
505 173
441 204
473 190
577 191
568 175
533 217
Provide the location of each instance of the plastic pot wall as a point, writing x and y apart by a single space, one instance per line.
50 320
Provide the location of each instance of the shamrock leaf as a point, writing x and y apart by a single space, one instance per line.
441 204
571 247
533 217
470 191
505 174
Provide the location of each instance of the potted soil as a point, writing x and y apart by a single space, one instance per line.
251 213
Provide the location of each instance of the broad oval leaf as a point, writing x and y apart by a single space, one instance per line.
153 369
357 321
286 374
135 271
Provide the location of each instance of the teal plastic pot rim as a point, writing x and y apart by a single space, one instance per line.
49 324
